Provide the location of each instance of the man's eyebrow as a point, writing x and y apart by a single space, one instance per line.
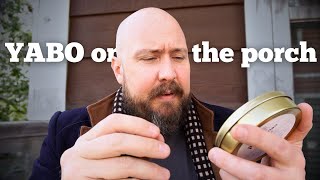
155 51
176 50
145 51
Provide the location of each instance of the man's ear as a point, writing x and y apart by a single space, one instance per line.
116 66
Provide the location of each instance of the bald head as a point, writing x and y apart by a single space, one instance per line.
144 29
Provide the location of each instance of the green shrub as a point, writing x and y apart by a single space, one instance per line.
13 81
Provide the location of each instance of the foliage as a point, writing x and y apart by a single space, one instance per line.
13 81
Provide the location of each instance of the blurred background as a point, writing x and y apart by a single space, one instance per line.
31 92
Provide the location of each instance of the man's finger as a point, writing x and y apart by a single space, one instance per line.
226 175
305 124
124 167
240 168
160 138
121 123
117 144
277 148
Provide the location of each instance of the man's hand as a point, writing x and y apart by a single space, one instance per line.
114 149
285 157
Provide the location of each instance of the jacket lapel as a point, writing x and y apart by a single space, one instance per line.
98 111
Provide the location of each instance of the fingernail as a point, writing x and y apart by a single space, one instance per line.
240 132
163 148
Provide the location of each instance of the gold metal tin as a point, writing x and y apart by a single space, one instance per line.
257 112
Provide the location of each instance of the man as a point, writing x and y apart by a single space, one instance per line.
153 127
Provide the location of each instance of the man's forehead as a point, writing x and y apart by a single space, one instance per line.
152 34
154 43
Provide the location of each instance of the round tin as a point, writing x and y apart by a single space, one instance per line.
274 112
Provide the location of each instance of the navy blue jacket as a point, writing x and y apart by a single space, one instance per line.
64 130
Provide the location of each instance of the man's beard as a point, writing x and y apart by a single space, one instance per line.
168 122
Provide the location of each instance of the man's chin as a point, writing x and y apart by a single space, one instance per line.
166 108
167 114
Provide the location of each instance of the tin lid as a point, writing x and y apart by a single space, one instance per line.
242 111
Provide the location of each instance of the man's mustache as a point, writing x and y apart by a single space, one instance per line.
162 89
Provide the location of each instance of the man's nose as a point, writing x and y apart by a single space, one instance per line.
167 70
